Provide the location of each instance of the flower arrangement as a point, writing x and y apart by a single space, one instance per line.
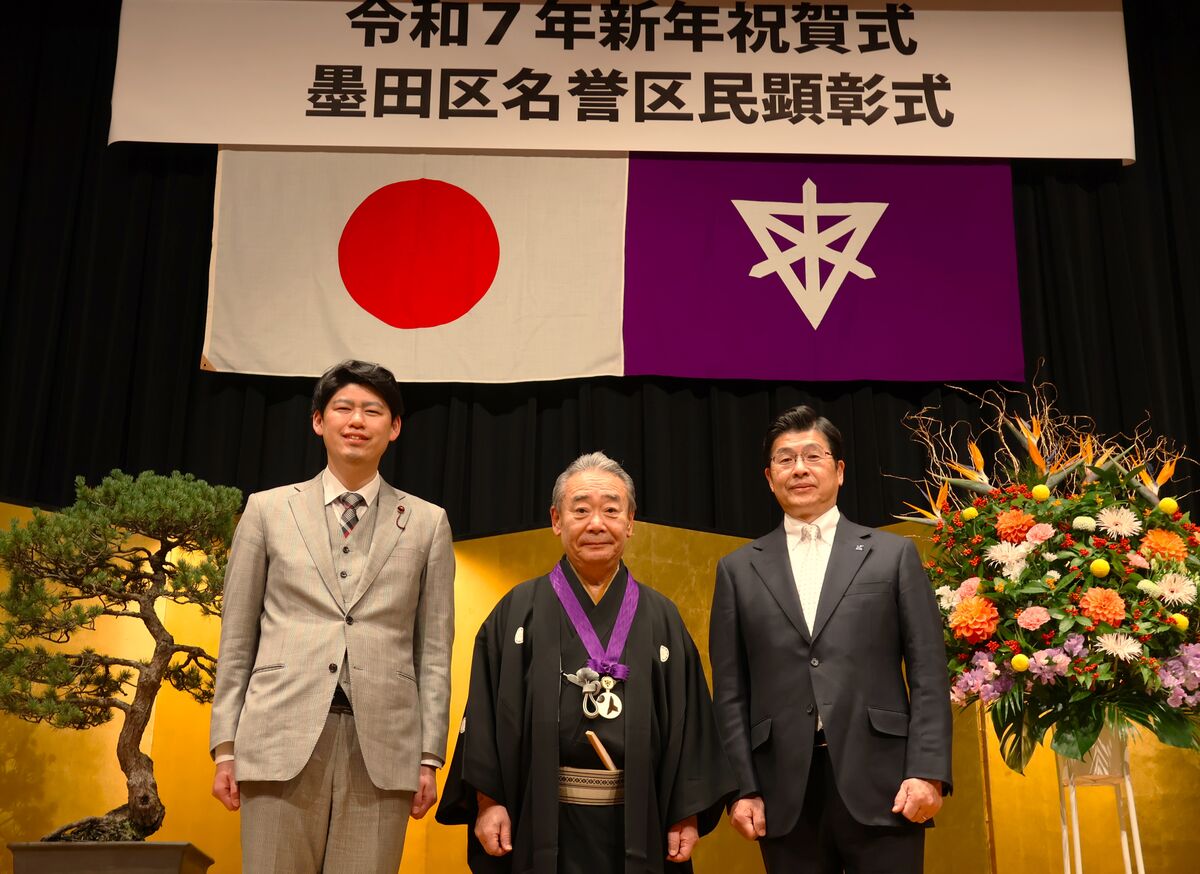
1068 586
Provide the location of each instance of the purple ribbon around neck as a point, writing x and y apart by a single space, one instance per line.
602 661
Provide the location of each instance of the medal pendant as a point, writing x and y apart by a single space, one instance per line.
609 705
591 705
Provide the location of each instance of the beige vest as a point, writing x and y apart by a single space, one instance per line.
349 560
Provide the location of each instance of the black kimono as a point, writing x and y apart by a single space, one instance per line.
524 719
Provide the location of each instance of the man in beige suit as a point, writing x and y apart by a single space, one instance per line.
330 712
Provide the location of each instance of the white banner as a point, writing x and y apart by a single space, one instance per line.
980 79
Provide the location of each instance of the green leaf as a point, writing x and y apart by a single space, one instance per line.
982 488
1074 737
1055 478
1175 727
1013 731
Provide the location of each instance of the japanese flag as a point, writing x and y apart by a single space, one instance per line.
448 267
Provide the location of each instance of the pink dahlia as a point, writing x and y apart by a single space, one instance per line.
1033 618
1039 533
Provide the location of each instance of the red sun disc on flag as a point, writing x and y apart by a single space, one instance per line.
419 253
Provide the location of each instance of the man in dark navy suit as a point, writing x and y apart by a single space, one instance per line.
829 676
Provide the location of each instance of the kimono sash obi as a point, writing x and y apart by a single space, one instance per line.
588 787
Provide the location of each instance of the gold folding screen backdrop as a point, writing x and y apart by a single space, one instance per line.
996 822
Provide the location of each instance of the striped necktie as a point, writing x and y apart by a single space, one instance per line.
351 501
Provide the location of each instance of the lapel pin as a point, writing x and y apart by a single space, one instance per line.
858 548
400 516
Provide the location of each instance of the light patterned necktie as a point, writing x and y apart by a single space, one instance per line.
351 501
808 577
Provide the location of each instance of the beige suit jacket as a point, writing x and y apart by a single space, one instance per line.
285 630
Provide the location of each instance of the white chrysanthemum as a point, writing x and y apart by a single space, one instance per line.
1083 523
1122 646
1009 558
1176 589
947 597
1053 575
1118 522
1008 554
1149 587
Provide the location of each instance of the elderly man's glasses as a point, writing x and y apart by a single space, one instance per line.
812 457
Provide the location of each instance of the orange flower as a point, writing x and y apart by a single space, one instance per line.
1160 543
1012 525
1103 605
974 619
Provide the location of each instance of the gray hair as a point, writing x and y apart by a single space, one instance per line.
593 461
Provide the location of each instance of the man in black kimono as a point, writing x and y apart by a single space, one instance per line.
586 649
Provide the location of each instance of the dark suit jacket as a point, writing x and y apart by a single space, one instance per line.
877 613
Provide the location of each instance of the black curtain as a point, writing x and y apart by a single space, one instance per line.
104 256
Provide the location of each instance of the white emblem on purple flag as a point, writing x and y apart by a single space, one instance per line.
811 244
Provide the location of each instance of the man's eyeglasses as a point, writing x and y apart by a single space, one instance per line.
810 457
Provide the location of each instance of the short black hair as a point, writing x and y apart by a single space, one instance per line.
802 418
373 376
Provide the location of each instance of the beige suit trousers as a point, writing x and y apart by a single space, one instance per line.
328 818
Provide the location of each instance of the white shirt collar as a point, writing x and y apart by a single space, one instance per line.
826 523
335 489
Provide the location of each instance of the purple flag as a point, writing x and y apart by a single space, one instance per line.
774 268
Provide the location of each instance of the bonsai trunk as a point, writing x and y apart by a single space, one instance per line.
142 814
145 810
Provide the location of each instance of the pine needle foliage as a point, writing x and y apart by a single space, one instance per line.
123 549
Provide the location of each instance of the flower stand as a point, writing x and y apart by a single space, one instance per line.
1106 764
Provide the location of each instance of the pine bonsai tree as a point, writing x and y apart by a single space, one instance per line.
119 550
